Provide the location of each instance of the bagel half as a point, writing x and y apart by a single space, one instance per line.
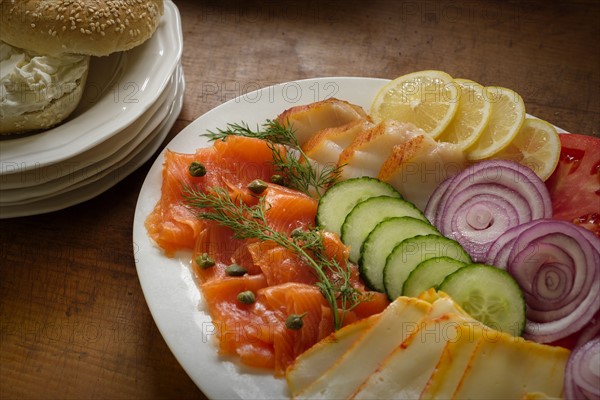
59 29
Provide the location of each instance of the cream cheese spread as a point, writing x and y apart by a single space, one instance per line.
29 82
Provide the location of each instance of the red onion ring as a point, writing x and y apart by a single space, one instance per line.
433 205
479 204
549 278
509 174
582 375
542 251
590 331
500 250
477 216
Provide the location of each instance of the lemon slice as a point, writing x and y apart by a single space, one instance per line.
507 116
427 99
537 146
472 116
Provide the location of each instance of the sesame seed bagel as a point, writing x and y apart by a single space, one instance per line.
89 27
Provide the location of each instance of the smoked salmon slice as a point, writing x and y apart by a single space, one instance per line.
172 225
282 281
233 164
239 330
224 249
288 209
257 333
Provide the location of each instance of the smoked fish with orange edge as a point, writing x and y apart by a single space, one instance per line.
306 120
366 153
325 146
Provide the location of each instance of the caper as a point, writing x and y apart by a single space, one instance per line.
257 186
205 261
296 233
235 270
197 169
246 297
294 321
277 179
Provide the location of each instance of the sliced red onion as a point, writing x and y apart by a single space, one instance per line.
590 331
431 210
478 205
582 375
508 174
500 250
557 264
478 221
547 275
477 216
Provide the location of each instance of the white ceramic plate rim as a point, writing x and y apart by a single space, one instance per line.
146 72
171 292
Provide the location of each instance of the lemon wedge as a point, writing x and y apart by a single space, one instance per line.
537 146
507 116
427 99
472 116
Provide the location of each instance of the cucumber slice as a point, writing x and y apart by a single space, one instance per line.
488 294
411 252
367 214
382 240
339 200
429 274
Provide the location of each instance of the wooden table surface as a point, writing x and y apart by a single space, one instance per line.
73 320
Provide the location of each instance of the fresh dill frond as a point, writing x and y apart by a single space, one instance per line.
250 222
272 131
292 163
302 174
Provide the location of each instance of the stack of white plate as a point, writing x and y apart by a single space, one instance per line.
130 103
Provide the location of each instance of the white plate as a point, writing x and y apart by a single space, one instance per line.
76 170
119 89
172 294
110 176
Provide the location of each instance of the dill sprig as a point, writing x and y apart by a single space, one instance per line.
293 164
250 222
272 131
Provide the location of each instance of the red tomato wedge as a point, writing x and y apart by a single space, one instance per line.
575 184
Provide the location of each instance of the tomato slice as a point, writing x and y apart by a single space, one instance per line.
575 184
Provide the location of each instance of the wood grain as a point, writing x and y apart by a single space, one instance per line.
73 320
